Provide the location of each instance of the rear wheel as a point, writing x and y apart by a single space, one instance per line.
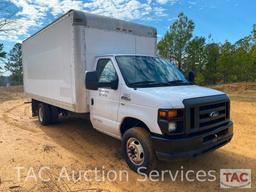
138 150
44 114
54 114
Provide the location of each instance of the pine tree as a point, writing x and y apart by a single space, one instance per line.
175 41
14 64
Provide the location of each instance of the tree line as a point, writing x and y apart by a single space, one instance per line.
212 63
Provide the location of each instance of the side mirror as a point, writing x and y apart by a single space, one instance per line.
114 84
91 80
191 76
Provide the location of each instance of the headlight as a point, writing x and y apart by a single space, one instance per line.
170 121
172 127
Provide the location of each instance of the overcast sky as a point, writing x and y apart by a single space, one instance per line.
223 19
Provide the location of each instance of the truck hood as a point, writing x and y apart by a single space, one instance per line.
174 95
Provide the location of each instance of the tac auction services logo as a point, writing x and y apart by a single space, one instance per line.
235 178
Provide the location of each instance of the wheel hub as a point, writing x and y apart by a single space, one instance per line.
40 114
135 151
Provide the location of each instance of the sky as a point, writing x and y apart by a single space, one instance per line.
222 19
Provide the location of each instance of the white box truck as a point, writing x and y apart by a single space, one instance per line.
108 69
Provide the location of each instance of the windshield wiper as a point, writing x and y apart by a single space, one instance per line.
142 82
179 82
147 82
155 83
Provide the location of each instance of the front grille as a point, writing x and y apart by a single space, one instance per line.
206 112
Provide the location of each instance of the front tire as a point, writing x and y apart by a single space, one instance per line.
138 150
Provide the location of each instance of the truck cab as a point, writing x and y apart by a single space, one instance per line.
148 103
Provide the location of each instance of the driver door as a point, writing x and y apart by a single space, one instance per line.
104 102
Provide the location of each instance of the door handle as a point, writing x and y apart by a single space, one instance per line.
92 101
125 98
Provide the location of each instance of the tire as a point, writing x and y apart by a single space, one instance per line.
34 107
54 114
139 139
44 114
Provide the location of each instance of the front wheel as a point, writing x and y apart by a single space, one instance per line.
138 151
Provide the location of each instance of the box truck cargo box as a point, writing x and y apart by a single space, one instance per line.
55 58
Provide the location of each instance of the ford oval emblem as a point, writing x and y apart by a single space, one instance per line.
214 114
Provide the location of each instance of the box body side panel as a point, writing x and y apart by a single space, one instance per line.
48 63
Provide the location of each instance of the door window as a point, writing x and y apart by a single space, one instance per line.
106 71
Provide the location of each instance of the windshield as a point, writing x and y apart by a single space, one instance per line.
146 71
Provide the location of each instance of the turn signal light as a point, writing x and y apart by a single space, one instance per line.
168 114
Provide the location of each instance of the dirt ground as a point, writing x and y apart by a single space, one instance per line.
75 145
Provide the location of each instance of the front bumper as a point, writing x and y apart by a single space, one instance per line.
192 145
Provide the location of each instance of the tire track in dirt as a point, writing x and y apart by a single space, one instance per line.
8 119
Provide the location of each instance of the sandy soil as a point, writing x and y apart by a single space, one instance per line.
74 144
